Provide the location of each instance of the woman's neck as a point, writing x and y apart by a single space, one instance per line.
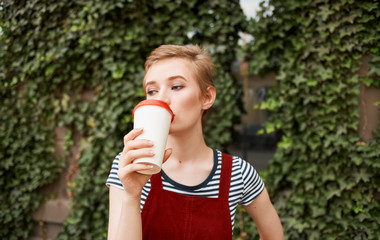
191 161
188 147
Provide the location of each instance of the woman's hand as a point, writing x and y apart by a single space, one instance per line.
124 212
132 181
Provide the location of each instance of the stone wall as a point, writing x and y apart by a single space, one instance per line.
52 213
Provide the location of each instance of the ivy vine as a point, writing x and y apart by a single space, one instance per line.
55 53
323 176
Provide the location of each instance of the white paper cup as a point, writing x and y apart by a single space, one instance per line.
154 117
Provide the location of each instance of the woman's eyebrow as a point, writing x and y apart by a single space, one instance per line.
149 83
177 76
171 78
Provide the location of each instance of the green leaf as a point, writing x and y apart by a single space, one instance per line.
299 79
361 175
50 69
285 143
358 209
269 128
117 73
312 82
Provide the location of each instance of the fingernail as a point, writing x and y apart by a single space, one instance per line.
150 142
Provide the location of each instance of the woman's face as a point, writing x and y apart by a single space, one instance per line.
172 81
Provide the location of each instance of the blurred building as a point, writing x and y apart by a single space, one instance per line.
256 149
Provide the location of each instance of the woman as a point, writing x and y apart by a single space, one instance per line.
196 194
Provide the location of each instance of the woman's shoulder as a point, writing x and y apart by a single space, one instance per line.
239 165
246 183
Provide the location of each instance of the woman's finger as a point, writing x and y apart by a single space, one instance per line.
132 134
133 168
131 155
136 144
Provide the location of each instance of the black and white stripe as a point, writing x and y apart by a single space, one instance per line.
246 184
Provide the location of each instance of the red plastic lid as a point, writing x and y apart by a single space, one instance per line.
155 103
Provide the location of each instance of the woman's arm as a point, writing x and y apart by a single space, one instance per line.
124 216
124 205
265 216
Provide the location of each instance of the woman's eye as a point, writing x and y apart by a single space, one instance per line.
177 87
150 92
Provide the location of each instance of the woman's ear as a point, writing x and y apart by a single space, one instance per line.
209 97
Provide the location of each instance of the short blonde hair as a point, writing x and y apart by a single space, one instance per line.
203 67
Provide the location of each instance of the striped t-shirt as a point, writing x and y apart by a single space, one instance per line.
245 186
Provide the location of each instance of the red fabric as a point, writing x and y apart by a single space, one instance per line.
169 215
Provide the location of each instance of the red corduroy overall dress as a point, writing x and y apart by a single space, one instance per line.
168 215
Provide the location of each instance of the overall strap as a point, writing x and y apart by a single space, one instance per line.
155 181
225 176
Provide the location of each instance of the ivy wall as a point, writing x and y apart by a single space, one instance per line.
55 53
78 66
323 176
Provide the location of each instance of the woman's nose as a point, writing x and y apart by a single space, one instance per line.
163 96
